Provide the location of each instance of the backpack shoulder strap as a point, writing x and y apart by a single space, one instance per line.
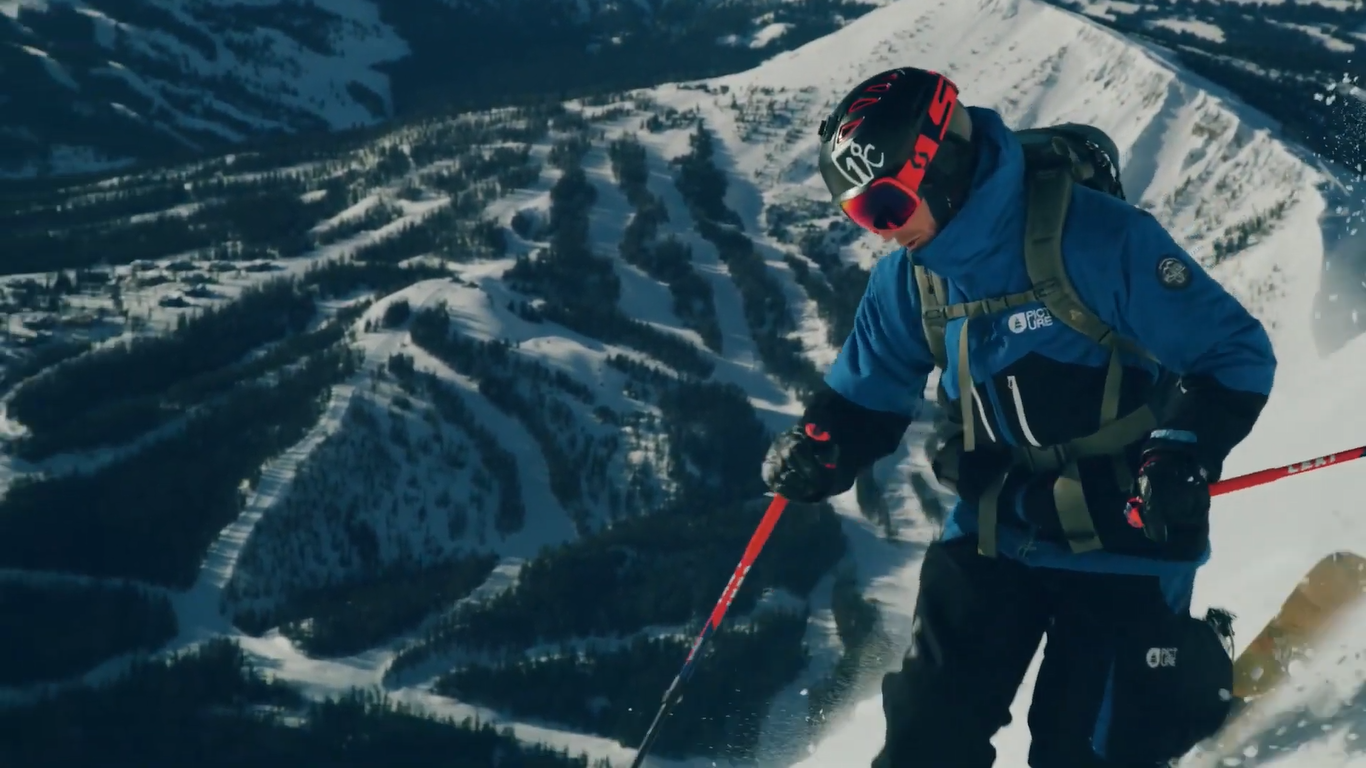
934 299
1048 196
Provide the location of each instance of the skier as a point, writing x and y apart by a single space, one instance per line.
1094 379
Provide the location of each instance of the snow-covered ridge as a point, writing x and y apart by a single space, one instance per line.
111 84
207 73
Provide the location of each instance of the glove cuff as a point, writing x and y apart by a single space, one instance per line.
1221 416
1177 442
863 435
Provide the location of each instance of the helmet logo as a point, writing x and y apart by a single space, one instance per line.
923 154
858 166
943 100
925 149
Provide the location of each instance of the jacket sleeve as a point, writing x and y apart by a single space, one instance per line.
874 388
1195 328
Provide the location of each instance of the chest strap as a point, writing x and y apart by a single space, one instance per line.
1074 515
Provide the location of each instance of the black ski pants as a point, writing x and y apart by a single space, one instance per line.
978 623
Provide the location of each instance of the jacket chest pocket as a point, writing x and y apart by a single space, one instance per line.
994 392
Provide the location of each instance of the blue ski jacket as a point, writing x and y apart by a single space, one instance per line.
1036 380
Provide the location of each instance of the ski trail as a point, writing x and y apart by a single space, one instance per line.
747 200
738 361
58 578
547 521
642 297
199 609
736 343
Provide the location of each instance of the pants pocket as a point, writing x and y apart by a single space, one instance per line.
1170 687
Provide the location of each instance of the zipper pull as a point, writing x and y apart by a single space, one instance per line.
1020 412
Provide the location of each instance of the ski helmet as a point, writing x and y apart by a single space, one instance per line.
898 139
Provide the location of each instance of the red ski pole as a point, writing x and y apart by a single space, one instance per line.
1276 473
756 544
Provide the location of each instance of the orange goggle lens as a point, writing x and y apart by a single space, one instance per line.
885 205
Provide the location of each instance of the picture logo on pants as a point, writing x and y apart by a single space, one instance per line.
1161 657
1029 320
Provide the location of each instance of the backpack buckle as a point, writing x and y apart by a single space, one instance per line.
1050 458
935 314
1046 288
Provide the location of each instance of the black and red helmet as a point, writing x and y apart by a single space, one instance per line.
898 139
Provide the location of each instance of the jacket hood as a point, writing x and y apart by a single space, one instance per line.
982 248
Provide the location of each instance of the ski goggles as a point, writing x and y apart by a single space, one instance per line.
882 205
886 203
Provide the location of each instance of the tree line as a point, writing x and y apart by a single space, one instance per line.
517 386
52 632
580 289
359 614
119 391
151 514
371 539
200 208
615 692
663 569
210 708
452 406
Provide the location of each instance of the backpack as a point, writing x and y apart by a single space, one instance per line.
1056 157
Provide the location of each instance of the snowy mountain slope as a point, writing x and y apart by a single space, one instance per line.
90 85
1197 167
192 75
456 216
1295 61
281 549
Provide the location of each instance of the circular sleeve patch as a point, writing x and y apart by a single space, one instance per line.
1173 273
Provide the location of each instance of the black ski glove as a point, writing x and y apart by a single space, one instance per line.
1170 500
802 465
835 440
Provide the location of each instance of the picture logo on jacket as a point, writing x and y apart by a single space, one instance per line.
1029 320
1173 273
